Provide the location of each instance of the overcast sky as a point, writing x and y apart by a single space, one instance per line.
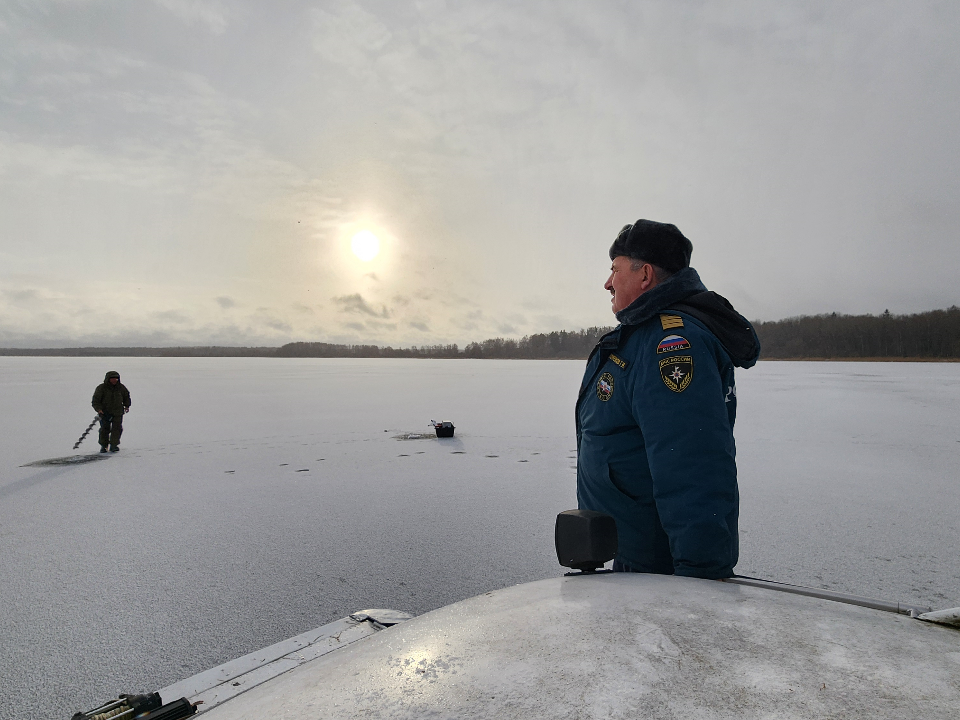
192 171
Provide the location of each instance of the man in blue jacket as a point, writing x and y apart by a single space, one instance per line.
656 409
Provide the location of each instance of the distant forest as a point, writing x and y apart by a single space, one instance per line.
930 336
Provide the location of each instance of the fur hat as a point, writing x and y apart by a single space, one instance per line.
657 243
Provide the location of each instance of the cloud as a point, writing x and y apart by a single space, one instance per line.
269 318
354 326
274 324
557 322
349 36
499 146
356 304
173 316
212 14
28 296
378 325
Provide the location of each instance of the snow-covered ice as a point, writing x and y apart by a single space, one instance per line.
256 498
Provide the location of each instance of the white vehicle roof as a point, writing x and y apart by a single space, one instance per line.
627 646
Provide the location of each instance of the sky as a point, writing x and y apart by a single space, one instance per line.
192 172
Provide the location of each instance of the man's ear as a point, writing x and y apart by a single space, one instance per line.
649 279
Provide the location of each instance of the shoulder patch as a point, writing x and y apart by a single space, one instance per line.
668 322
677 372
672 343
605 387
622 364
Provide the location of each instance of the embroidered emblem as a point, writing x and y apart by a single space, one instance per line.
671 343
731 393
677 372
605 387
669 322
622 364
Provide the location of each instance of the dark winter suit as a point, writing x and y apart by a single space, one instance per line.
112 401
655 429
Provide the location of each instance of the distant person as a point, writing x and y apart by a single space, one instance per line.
656 409
111 400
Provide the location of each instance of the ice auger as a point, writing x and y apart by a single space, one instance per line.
86 432
141 707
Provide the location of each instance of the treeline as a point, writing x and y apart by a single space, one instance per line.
330 350
189 351
930 335
934 334
561 345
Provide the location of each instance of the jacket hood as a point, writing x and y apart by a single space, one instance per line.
732 329
111 374
683 292
679 286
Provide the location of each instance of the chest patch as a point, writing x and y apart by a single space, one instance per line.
672 343
677 372
605 387
619 362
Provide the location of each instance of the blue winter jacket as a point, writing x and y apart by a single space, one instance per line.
655 422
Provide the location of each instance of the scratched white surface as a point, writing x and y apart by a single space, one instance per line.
255 499
623 646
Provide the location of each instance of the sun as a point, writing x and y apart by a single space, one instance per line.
365 245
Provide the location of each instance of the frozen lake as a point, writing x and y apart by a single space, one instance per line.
255 499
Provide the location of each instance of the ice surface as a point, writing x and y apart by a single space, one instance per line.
256 498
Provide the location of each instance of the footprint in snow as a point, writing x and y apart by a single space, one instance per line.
229 471
491 456
304 470
523 461
403 456
284 464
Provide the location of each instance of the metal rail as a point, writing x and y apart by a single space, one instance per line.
885 605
